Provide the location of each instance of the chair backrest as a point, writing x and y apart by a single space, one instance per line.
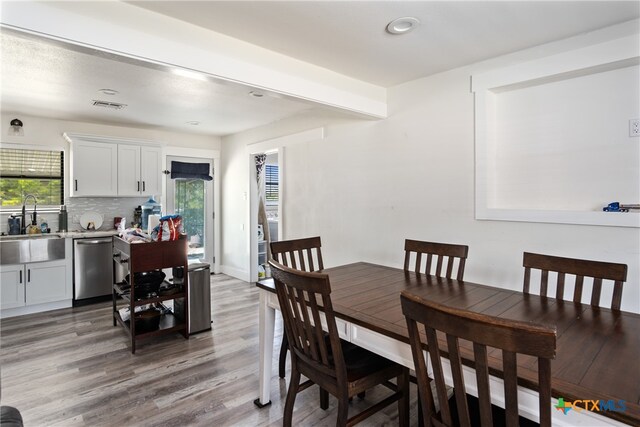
300 295
512 337
298 253
580 268
440 251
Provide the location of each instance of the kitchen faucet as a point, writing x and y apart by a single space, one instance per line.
34 220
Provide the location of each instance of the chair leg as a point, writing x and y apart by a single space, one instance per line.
343 411
291 397
324 399
403 403
284 347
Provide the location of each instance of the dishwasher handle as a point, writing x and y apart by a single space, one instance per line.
93 242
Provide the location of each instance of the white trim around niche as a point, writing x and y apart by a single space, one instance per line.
610 55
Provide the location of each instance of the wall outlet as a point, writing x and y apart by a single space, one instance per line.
634 127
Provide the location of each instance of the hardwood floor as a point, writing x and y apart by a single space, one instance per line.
72 367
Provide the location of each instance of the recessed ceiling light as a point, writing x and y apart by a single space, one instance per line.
256 94
109 91
193 123
402 25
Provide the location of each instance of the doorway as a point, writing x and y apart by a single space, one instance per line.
192 198
266 209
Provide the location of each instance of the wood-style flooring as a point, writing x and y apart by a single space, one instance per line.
72 367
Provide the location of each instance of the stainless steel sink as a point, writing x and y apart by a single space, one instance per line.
33 248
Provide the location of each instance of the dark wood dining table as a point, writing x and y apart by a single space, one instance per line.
597 353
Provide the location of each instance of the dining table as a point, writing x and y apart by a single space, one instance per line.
595 374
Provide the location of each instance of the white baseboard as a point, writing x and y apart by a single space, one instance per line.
235 272
30 309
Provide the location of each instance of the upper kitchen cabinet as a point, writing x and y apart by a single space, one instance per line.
94 169
138 170
102 166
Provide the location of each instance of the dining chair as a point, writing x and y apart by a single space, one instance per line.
300 255
339 367
580 268
441 251
511 336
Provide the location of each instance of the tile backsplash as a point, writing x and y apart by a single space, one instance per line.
108 207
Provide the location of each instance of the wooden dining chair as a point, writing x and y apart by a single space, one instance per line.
580 268
300 254
511 336
441 252
341 368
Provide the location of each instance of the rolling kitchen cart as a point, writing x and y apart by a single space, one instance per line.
142 257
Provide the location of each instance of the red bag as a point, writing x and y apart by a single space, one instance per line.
170 228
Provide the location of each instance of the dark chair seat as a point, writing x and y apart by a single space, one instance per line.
361 363
10 417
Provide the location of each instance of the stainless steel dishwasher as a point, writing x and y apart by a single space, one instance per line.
92 269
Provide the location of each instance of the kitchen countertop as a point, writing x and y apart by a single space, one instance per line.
74 234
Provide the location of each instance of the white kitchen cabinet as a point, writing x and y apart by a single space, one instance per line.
103 166
139 171
151 170
46 282
129 182
33 283
94 169
11 286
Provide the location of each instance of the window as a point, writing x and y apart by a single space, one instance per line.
271 183
36 172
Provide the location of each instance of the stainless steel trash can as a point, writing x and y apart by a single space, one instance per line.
199 298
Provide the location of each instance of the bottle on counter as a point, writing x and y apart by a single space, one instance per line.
63 219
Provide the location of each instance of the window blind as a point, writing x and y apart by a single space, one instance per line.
36 172
271 183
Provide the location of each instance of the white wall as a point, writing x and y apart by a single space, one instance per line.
45 131
566 144
369 185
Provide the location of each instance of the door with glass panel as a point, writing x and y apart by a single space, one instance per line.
192 198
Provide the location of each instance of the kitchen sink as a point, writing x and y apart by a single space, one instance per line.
31 248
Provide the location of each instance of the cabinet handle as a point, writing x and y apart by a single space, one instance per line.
76 184
29 275
143 186
138 185
20 276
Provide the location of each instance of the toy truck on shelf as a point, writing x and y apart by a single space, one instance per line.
617 207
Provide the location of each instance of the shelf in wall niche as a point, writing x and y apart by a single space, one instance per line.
611 219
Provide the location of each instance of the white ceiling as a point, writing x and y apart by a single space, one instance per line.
47 79
349 36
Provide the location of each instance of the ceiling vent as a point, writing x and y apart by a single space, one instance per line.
107 104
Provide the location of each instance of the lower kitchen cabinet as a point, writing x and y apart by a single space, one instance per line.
33 283
12 286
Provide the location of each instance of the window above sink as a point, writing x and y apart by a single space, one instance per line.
30 171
